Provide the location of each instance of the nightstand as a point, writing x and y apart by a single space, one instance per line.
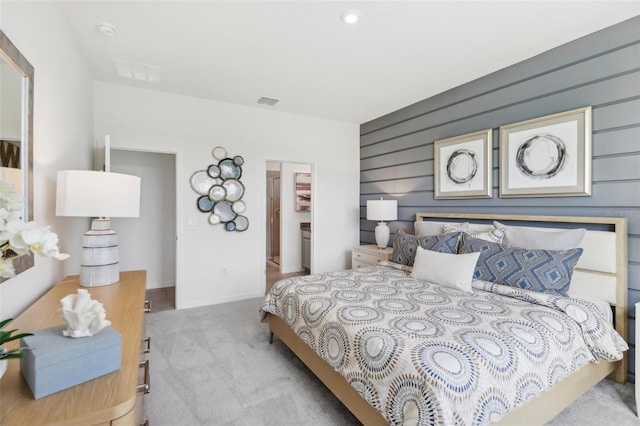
368 255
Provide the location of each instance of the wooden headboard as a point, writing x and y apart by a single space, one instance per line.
602 269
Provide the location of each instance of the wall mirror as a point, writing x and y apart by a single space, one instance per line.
16 132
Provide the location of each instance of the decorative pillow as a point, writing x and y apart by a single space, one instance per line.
544 271
405 245
451 270
495 235
518 236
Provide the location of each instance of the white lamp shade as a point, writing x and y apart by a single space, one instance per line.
89 193
382 209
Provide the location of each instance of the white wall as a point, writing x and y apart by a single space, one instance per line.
63 137
216 266
149 241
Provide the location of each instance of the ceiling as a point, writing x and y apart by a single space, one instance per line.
301 53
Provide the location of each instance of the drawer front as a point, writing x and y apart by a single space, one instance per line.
365 257
355 264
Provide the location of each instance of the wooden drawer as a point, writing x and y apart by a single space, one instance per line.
355 264
369 255
361 257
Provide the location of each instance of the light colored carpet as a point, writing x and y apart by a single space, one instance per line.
214 366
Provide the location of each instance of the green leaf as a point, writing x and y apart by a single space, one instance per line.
17 336
5 322
6 336
13 353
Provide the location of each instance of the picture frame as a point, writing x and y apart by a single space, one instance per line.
462 166
549 156
303 192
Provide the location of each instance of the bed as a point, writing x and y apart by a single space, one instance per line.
377 389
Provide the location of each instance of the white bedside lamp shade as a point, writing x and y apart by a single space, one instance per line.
100 195
382 210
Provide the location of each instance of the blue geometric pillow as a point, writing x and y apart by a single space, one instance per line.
544 271
406 245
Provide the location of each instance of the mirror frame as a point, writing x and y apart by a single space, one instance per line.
12 55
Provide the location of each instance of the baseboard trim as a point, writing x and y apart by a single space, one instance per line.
217 301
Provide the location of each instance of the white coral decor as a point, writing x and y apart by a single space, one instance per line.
83 315
18 237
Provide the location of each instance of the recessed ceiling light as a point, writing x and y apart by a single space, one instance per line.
106 30
350 17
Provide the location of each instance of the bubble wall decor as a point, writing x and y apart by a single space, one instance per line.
220 191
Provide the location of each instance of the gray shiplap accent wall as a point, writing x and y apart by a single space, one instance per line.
601 70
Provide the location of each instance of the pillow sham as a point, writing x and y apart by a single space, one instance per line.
518 236
405 245
451 270
495 235
544 271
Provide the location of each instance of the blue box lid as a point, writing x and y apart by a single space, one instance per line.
49 346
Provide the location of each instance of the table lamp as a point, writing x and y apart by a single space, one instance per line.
100 195
382 210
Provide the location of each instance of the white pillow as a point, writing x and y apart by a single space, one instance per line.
451 270
533 239
495 235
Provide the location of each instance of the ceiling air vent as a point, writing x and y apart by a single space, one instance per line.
139 72
268 101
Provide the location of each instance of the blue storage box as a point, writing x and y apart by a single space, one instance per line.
52 362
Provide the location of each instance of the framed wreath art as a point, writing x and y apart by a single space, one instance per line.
548 156
462 166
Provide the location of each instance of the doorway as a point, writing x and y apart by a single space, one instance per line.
286 219
149 241
273 217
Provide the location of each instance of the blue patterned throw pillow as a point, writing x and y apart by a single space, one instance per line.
406 245
544 271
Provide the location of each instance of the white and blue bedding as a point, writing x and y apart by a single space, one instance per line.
425 354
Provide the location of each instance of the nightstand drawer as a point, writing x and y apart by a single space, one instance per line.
365 257
369 255
355 264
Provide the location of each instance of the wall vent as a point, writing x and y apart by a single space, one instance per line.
268 101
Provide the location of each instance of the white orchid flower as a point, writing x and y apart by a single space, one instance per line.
22 237
31 237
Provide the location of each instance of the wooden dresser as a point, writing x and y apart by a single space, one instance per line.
113 399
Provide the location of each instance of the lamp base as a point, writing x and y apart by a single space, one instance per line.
382 235
100 259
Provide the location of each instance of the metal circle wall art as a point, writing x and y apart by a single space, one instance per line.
221 191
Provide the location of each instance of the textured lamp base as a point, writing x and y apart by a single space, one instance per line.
100 259
382 235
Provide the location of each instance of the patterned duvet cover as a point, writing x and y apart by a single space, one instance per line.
424 354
